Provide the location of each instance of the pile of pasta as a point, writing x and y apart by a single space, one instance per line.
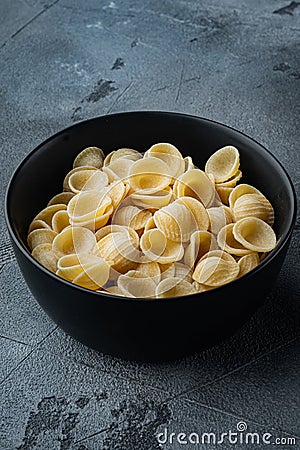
153 224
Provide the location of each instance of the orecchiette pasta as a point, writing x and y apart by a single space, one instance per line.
153 224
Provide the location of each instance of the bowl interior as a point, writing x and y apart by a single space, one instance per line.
40 175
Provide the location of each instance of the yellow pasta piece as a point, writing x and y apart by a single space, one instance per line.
201 243
247 263
223 193
128 153
61 198
117 191
73 240
134 284
195 183
227 241
254 234
219 254
114 290
253 205
174 287
37 224
239 190
91 209
198 211
232 181
60 220
44 255
93 277
188 163
132 216
176 221
120 248
40 236
149 175
90 156
219 216
66 186
223 164
47 213
87 180
170 155
154 200
215 271
157 247
118 169
150 270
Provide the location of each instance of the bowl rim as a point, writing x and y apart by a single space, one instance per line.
99 294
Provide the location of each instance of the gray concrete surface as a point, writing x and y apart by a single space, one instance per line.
66 60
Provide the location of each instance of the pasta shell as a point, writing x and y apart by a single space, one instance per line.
201 243
247 263
134 284
128 153
73 240
182 271
60 220
61 198
37 224
150 224
157 199
118 169
227 241
66 186
223 193
121 249
254 234
44 255
240 190
201 287
70 266
132 216
89 206
90 156
253 205
232 181
215 271
198 211
86 180
116 228
149 175
40 236
150 270
117 191
219 216
114 290
195 183
170 155
93 277
188 163
223 164
174 287
167 270
219 254
176 221
107 158
47 213
157 247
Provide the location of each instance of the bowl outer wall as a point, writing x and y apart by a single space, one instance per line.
139 328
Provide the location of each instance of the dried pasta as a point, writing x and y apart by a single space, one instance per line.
153 224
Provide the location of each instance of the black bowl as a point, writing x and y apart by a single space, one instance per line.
143 329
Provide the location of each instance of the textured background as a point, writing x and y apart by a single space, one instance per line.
62 61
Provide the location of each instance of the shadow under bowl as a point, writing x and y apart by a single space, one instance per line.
133 328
